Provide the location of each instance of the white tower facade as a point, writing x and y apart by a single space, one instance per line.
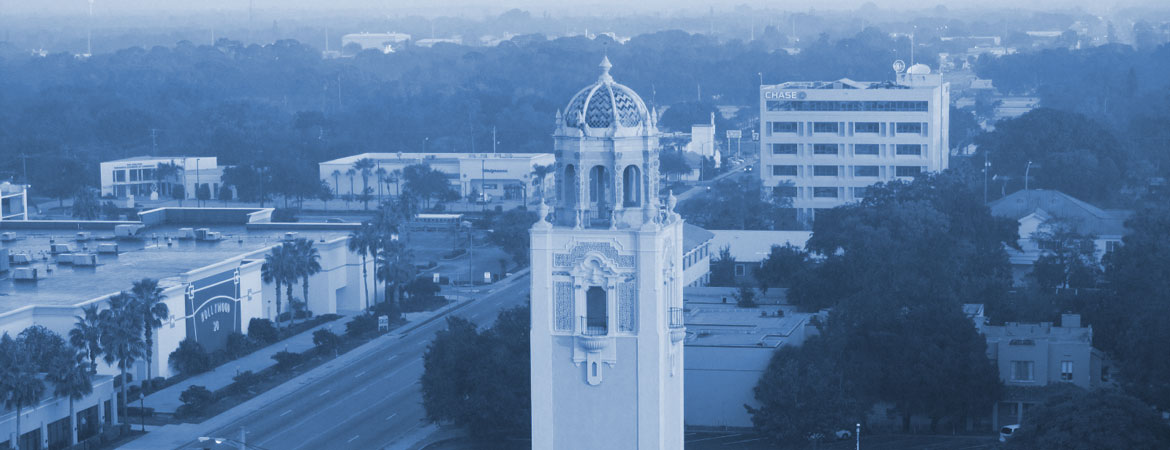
607 328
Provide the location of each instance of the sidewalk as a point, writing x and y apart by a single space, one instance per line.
167 400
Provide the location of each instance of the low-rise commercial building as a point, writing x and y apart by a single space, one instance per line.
161 177
696 255
46 423
207 262
505 176
751 247
13 201
727 350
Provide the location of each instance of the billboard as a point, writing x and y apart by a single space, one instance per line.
213 309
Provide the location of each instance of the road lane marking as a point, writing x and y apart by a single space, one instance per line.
359 374
285 413
391 416
391 358
352 438
322 394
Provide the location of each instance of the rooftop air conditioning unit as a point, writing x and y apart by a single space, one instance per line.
20 258
65 258
108 248
85 259
7 236
290 236
127 231
213 236
83 236
57 249
25 274
186 233
201 233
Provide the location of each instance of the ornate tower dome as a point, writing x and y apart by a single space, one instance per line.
607 108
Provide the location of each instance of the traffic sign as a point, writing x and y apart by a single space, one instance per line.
734 134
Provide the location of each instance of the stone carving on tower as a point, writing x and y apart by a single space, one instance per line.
607 325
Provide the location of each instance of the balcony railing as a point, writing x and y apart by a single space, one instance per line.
676 318
593 326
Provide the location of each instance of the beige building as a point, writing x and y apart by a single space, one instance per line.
1034 355
824 143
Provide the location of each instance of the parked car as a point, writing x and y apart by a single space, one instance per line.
1007 431
334 220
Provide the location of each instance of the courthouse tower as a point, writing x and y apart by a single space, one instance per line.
607 328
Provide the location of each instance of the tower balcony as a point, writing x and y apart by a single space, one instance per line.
678 330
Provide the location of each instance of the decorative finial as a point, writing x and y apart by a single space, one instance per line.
605 66
671 201
543 211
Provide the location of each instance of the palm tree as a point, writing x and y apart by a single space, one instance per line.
381 176
122 337
394 269
19 385
365 166
363 241
86 334
71 379
350 173
539 174
308 264
164 172
149 300
336 182
276 269
396 174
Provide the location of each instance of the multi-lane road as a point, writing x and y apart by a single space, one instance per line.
372 403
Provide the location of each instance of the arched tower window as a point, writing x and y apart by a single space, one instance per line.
596 317
568 188
598 180
631 182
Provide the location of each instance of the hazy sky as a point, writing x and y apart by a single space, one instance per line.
471 8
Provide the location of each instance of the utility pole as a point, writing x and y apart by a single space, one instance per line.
858 435
986 169
1027 169
153 141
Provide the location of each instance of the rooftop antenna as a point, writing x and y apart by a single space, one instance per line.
89 32
912 47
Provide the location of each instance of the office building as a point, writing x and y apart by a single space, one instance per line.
160 177
824 143
13 201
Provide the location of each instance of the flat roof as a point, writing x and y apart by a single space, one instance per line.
436 156
732 326
150 257
152 158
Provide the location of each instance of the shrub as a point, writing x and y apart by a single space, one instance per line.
745 297
195 400
361 325
286 360
422 287
190 358
242 381
284 215
326 341
237 345
263 331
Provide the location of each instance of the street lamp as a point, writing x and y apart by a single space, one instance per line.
1027 169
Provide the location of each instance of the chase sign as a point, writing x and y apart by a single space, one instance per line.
784 95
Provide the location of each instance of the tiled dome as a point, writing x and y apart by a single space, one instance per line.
606 104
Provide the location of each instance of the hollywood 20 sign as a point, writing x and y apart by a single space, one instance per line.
213 309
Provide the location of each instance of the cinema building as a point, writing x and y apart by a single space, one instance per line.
823 143
207 262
